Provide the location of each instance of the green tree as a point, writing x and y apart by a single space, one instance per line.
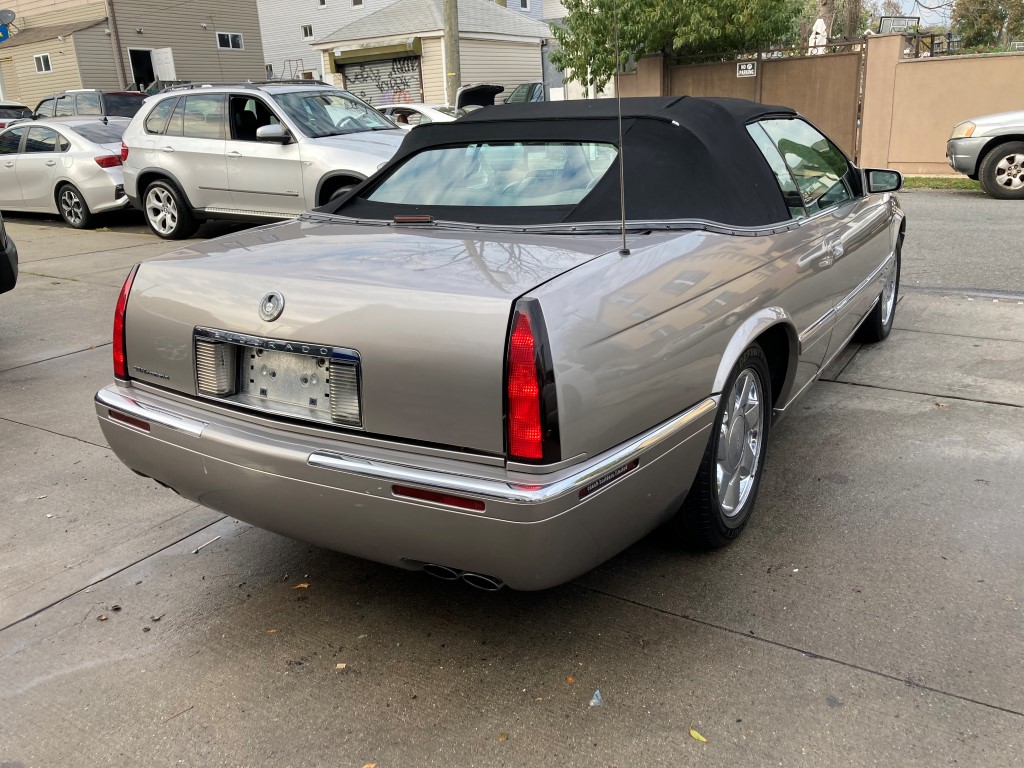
988 22
674 27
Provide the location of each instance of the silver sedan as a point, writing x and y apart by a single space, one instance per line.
71 167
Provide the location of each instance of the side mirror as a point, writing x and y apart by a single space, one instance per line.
273 134
883 181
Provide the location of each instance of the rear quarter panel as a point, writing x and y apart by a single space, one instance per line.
637 339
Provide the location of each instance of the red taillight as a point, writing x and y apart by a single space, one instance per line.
107 161
525 431
124 151
120 363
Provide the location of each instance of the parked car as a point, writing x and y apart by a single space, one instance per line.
251 152
70 166
466 367
990 149
11 111
526 93
408 116
89 101
8 260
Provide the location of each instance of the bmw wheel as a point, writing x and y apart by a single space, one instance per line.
73 208
722 496
167 212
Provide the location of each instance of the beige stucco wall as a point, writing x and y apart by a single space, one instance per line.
646 81
911 105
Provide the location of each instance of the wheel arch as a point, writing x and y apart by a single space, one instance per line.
149 175
774 330
332 180
991 144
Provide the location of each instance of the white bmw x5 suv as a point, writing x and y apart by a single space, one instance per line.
249 151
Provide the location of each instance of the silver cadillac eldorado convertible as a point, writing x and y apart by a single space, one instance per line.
494 361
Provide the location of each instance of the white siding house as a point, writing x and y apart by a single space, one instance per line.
290 26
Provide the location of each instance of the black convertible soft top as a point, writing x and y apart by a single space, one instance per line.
684 158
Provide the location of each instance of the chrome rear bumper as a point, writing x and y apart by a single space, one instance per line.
532 533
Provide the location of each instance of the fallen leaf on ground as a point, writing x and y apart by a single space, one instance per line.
271 631
370 765
502 737
101 617
942 405
698 736
570 680
303 585
340 665
41 497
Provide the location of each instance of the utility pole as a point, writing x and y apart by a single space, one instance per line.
452 65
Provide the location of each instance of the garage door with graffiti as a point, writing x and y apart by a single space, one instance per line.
392 81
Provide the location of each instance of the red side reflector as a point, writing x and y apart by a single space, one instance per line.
525 435
438 498
608 479
131 421
124 151
120 362
107 161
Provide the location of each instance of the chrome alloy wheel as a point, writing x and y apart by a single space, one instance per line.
161 210
889 293
740 443
71 207
1010 172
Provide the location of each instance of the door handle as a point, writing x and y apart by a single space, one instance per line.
233 153
9 164
51 162
166 149
835 249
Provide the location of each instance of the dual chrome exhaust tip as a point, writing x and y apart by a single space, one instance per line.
476 580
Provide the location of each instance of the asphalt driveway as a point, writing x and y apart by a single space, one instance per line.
871 615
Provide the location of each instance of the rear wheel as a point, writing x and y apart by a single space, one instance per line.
167 212
1002 171
73 208
878 323
722 496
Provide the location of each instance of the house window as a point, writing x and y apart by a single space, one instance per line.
524 4
43 62
357 3
323 3
230 40
307 31
270 71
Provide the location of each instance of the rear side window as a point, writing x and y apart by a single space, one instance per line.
819 168
156 122
204 116
7 113
122 104
786 182
65 107
87 103
41 139
10 141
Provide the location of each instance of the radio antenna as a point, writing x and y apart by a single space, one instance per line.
623 251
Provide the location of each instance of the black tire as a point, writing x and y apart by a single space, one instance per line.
340 192
703 521
73 208
878 323
1006 182
167 211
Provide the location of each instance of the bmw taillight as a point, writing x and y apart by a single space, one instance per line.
124 151
107 161
120 362
530 400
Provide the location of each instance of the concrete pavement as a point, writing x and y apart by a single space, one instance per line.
871 614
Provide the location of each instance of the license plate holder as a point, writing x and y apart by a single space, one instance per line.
286 378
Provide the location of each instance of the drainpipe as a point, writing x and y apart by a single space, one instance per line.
115 41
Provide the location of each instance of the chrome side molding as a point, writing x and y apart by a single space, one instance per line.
122 404
499 490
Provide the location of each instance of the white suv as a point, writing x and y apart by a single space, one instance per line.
249 151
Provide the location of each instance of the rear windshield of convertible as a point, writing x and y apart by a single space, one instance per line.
527 173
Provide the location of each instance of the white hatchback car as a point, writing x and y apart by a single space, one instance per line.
250 151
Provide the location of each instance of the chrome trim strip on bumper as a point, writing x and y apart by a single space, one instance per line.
126 405
515 492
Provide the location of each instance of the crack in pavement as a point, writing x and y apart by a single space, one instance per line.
808 654
929 394
958 335
111 575
982 293
55 434
101 345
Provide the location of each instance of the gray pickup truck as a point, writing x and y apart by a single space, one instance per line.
990 149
